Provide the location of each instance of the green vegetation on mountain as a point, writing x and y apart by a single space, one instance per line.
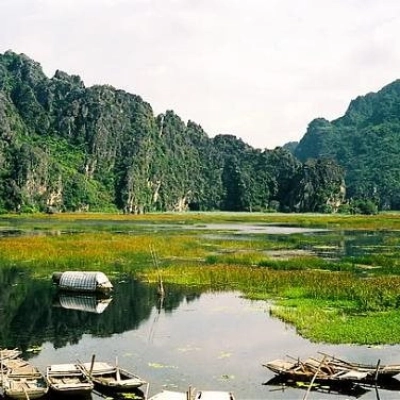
66 147
366 143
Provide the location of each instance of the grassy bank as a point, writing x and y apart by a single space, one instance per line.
314 281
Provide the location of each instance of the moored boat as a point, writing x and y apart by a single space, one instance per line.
330 369
23 380
170 395
83 281
379 370
68 379
295 370
9 354
214 395
111 377
192 394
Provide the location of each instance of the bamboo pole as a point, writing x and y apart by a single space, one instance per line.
190 393
146 395
377 370
378 397
313 379
1 366
117 372
26 393
92 366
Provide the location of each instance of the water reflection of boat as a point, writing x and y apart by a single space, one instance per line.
83 281
349 390
23 380
68 379
88 302
111 377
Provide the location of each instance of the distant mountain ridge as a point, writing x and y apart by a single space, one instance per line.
366 143
67 147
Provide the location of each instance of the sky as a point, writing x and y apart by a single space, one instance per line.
261 70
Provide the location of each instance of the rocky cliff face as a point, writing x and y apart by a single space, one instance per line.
76 147
366 143
64 146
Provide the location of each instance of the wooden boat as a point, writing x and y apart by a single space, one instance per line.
382 371
23 380
312 370
111 377
214 395
83 281
68 379
170 395
331 369
5 355
192 394
9 354
295 370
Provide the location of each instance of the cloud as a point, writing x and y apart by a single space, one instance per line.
261 70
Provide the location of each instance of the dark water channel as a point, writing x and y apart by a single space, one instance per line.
210 340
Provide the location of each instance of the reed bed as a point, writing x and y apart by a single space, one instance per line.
102 251
338 299
333 323
365 294
324 306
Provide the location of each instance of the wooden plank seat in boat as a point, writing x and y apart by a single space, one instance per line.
21 368
282 365
319 365
351 375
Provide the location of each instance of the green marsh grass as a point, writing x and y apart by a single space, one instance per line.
383 221
345 299
324 306
103 251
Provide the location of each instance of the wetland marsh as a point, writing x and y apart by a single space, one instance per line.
270 285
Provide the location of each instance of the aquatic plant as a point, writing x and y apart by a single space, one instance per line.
310 278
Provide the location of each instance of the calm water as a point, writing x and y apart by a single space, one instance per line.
210 340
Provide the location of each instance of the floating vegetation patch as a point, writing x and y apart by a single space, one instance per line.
133 396
226 377
188 348
224 354
158 365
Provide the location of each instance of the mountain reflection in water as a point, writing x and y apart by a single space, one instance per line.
33 312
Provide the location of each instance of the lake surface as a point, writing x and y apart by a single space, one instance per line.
210 340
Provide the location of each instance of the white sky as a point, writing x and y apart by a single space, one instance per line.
257 69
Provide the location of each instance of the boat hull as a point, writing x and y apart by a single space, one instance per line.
83 282
111 378
71 391
68 380
21 380
110 383
23 388
330 370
